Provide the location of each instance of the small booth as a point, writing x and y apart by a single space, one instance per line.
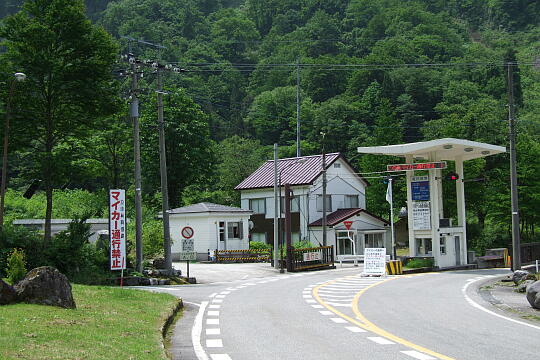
209 227
430 232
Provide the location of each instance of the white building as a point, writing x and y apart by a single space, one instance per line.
346 190
98 227
213 227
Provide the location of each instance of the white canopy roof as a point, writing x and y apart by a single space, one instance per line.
442 149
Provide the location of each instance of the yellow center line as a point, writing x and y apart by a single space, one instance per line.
362 322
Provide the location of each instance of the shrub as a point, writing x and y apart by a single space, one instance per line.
259 245
420 262
19 237
16 266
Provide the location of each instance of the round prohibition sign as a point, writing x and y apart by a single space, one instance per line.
187 232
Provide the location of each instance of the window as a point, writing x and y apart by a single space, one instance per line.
337 165
351 201
234 230
374 240
260 237
443 245
257 205
328 203
295 204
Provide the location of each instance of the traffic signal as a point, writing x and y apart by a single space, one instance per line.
452 176
386 180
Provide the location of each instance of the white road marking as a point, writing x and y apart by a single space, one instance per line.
355 329
217 300
214 306
213 313
232 289
213 331
240 287
220 357
339 320
225 292
380 340
196 333
220 296
480 307
307 296
245 277
418 355
326 312
212 321
311 301
213 343
212 295
317 306
249 284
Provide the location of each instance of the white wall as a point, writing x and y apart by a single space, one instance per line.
205 227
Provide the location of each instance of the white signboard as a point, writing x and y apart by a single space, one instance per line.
187 245
188 255
421 215
117 228
374 261
312 256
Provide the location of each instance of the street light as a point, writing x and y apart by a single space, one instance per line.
17 77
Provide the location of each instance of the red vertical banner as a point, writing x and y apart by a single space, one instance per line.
117 228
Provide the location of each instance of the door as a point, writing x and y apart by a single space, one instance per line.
458 250
222 244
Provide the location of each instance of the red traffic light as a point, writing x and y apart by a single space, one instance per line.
452 176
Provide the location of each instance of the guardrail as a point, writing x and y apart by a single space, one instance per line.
311 258
249 255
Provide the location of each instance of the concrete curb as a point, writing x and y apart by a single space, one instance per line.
169 320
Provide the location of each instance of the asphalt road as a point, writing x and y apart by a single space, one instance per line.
339 314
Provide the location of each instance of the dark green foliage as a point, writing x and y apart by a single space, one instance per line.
18 237
419 263
259 245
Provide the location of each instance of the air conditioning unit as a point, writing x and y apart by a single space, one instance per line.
445 223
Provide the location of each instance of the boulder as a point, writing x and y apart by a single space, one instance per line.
533 294
522 287
47 286
8 295
519 275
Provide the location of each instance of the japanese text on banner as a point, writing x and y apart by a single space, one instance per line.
117 228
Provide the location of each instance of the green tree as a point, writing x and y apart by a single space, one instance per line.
68 62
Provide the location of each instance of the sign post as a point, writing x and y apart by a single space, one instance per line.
188 247
117 230
375 261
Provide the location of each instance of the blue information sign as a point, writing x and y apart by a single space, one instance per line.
420 190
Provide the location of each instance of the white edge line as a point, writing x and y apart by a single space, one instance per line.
196 333
480 307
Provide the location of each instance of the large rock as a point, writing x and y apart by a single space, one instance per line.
521 288
519 275
8 295
533 294
47 286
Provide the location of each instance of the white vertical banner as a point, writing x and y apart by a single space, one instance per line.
117 228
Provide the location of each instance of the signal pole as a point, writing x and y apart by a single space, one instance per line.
298 107
516 241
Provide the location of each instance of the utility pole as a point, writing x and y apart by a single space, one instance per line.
288 225
276 209
516 241
134 110
163 172
298 107
323 193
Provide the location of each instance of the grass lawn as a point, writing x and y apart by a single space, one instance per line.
109 323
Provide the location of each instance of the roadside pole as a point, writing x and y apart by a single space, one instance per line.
287 201
276 209
516 241
163 172
134 110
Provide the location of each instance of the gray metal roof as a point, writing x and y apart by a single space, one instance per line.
56 221
294 171
205 207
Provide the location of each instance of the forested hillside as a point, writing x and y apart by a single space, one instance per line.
371 72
